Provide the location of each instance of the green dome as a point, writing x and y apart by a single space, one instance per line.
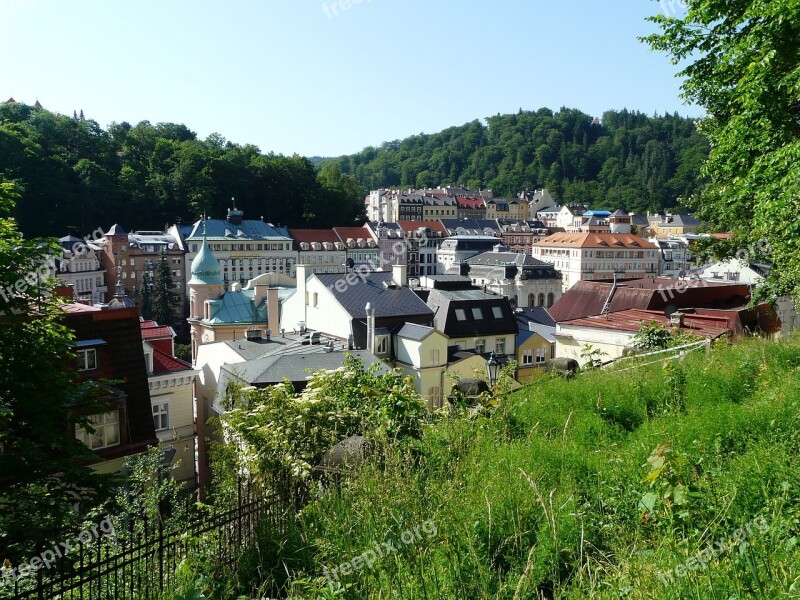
205 268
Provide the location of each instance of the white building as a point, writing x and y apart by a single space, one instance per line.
245 249
79 267
674 257
519 277
598 256
457 249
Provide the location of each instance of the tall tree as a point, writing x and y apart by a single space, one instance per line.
744 69
42 466
164 296
147 297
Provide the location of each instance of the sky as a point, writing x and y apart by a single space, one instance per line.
329 78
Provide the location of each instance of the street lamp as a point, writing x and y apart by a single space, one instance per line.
492 369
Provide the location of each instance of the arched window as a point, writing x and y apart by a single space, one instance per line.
550 299
531 300
541 300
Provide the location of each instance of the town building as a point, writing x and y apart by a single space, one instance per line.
108 348
538 201
470 208
456 249
218 315
361 247
391 241
136 256
598 256
523 279
80 268
536 342
420 352
335 304
674 257
423 239
669 224
245 248
171 383
320 250
570 217
518 235
498 208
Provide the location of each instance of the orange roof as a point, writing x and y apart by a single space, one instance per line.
471 202
594 240
414 225
353 233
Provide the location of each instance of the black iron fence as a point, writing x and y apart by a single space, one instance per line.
142 563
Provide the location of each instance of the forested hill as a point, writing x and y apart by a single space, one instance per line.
628 160
78 176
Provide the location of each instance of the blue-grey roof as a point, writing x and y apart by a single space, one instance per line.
222 229
469 226
389 301
412 331
237 307
275 368
534 314
548 333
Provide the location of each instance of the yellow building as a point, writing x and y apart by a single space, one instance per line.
421 353
534 349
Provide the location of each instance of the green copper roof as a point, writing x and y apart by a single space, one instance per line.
205 268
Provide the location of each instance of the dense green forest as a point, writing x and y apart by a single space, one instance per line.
77 176
627 160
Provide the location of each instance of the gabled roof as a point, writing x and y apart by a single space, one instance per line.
471 203
156 333
353 233
388 300
412 331
164 363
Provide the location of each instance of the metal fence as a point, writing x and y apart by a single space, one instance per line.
143 563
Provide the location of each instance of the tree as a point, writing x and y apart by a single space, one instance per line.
164 296
146 305
744 69
43 468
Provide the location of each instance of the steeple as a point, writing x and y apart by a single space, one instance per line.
205 266
120 299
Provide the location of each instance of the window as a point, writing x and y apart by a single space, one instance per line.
435 357
161 415
480 346
477 313
316 298
527 357
383 345
541 355
461 315
500 346
87 359
550 299
435 393
106 431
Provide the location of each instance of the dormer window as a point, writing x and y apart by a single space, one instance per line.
106 431
304 246
382 345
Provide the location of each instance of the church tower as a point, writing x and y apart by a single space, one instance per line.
205 284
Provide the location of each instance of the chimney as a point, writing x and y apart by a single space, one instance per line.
676 319
273 309
400 274
301 274
370 327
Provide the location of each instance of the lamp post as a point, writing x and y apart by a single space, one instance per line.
492 369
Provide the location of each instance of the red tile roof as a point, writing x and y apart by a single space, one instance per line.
314 235
471 203
164 363
414 225
354 233
154 333
595 240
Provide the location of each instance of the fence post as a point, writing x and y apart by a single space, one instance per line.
160 555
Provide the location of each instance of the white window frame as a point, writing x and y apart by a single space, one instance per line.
383 345
480 345
103 424
500 346
161 412
541 356
527 357
83 359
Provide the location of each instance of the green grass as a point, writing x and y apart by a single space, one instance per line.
544 498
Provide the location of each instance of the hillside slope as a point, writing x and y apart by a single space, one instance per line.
627 160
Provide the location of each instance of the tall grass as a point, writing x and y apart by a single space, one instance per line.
547 499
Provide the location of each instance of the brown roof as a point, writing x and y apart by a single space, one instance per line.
587 298
353 233
314 235
594 240
631 321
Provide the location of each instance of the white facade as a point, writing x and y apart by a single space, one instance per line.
674 257
80 268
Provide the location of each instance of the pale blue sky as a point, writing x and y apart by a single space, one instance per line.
289 77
